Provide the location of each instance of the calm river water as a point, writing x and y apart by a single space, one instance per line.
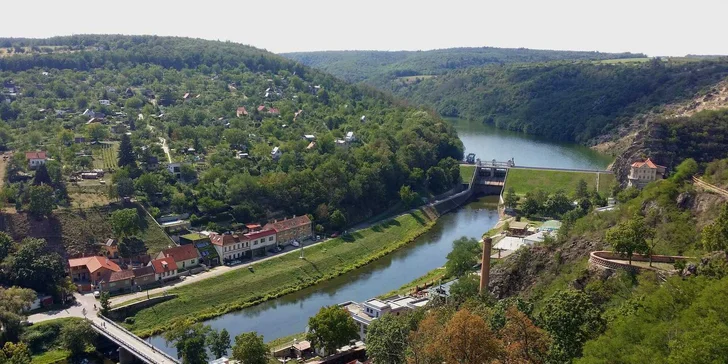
289 314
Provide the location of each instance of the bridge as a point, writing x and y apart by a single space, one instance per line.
130 345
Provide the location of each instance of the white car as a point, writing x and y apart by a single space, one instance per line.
296 243
97 294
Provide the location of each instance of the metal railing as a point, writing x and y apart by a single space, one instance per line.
135 338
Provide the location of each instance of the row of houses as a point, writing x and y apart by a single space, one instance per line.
103 273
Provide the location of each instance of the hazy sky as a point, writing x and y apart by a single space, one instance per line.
664 27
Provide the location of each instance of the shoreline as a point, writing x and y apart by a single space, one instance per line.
236 306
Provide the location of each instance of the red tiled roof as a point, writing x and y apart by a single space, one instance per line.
182 252
223 239
35 155
143 271
252 226
94 263
159 265
260 234
241 111
261 108
648 162
273 110
120 276
291 223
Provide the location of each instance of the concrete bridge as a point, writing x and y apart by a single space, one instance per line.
130 345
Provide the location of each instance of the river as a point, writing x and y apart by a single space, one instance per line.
289 314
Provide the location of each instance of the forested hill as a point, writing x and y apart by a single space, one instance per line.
564 100
223 109
377 68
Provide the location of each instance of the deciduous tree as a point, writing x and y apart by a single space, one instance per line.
524 342
331 328
42 201
463 257
250 349
125 222
189 340
218 342
571 319
387 339
630 237
77 336
467 339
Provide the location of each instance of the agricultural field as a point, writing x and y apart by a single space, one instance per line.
280 275
524 180
105 155
412 79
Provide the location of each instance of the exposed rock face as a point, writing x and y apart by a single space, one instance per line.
650 142
522 270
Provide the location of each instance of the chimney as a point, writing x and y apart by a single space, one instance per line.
485 265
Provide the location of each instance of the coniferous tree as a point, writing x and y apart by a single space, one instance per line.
126 152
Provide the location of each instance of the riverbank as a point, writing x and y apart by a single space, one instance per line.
279 276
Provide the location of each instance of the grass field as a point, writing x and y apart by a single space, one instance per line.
284 274
432 276
524 180
466 172
44 340
624 60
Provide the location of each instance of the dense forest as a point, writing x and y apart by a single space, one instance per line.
222 109
378 68
565 101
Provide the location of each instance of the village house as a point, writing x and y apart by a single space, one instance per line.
35 159
260 241
164 269
350 137
186 256
117 281
144 276
105 102
642 173
288 230
230 246
276 153
365 313
175 169
111 249
87 272
519 228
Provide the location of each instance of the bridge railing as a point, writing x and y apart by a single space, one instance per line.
123 343
138 339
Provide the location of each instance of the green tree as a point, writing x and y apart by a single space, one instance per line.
130 247
250 349
407 196
685 170
97 132
126 152
41 176
338 220
105 303
572 319
510 199
582 190
463 257
125 187
34 266
715 235
125 222
15 353
14 301
387 339
189 342
437 180
7 245
218 342
42 201
630 237
331 328
77 336
467 286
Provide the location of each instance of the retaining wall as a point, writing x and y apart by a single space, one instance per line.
122 312
605 259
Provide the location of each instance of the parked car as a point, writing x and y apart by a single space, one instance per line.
296 243
334 235
97 294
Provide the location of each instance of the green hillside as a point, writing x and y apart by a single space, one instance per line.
212 102
379 67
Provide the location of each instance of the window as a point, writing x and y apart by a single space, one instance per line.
183 264
270 238
192 261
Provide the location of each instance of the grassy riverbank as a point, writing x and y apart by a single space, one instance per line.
276 277
432 276
524 180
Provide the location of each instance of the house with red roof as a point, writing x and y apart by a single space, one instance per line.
164 269
117 281
261 240
288 230
35 159
186 256
230 246
643 172
88 272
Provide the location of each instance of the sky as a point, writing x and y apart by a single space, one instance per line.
657 28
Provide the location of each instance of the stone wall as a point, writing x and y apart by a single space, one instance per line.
122 312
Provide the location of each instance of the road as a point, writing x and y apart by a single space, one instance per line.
700 183
165 148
